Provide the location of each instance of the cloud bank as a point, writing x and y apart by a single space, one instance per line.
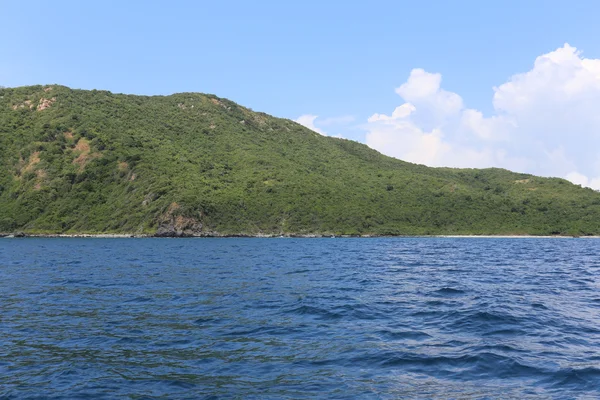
546 121
308 120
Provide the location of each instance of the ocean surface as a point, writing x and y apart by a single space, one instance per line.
380 318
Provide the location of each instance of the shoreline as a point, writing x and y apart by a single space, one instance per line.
20 235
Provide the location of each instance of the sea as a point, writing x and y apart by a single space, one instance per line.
285 318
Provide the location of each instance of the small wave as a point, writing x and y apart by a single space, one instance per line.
181 384
248 332
182 343
401 335
299 271
485 322
428 314
581 378
203 321
485 316
358 312
127 340
435 303
505 332
481 365
448 291
68 281
539 306
318 312
139 299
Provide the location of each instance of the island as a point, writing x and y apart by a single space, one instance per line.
78 162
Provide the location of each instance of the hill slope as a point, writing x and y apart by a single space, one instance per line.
92 161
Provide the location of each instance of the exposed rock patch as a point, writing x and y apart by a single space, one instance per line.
148 199
173 225
41 176
34 159
82 145
85 155
219 103
45 103
258 118
25 104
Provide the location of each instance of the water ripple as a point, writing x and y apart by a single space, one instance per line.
300 318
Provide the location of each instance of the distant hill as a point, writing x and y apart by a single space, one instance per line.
75 161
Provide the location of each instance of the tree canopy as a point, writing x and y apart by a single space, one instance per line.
75 161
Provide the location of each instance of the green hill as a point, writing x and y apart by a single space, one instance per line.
74 161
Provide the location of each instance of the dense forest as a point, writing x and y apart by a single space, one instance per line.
75 161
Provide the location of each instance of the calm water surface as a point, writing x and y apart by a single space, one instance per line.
300 318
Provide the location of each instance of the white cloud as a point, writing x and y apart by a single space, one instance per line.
308 120
400 112
423 90
545 121
580 179
577 178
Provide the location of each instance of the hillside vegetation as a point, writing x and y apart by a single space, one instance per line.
74 161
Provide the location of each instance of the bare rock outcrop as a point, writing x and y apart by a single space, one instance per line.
173 225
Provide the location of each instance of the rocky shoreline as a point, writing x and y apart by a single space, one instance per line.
158 235
287 235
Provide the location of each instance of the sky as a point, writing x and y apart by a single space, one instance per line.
510 84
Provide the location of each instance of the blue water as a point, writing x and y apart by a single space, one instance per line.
300 318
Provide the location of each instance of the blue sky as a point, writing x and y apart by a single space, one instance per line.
329 59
